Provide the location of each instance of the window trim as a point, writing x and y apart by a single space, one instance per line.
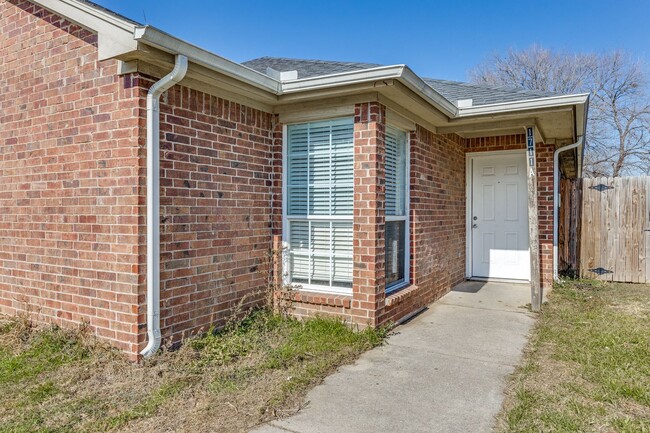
406 281
286 218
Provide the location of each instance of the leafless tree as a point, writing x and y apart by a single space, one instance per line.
618 136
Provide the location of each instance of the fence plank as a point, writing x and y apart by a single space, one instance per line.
598 234
618 219
586 240
645 225
640 220
636 227
569 233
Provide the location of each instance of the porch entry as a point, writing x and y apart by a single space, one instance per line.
498 216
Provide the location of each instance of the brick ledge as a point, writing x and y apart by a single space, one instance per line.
401 295
316 298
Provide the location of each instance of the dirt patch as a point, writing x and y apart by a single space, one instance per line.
633 308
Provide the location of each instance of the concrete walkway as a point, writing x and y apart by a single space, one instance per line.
444 371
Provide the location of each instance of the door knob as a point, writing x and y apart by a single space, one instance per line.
474 226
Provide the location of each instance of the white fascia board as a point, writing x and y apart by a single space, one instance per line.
343 78
168 43
417 84
531 104
114 35
401 73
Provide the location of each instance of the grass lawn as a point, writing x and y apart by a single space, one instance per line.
587 367
53 380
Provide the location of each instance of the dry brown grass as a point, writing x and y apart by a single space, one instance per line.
56 380
587 367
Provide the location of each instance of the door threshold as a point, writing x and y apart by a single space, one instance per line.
499 280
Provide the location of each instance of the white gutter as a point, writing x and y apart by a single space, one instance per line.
417 84
531 104
556 200
153 202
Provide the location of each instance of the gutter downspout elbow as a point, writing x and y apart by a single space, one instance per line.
556 201
153 202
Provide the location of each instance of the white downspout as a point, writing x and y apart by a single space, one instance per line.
556 201
153 202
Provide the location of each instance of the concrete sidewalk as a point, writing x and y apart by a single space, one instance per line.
444 371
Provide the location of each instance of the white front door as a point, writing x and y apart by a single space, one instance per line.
499 217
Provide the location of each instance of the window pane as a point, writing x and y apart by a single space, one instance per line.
320 253
299 251
320 168
395 250
342 254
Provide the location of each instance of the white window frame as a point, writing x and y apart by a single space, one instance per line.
406 281
286 220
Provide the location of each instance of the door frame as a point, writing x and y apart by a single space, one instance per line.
469 199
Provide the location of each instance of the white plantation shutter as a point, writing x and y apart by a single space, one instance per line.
396 260
298 138
319 197
395 171
342 254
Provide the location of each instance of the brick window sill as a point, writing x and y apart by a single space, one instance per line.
401 295
314 298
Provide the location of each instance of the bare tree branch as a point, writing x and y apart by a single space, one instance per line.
618 134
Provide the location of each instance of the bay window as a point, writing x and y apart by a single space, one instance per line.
318 206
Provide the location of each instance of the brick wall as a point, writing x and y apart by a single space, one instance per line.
437 221
70 234
72 246
544 157
217 209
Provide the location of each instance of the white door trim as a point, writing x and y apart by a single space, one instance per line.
469 199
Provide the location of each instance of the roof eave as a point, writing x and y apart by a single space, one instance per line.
163 41
401 73
114 35
529 104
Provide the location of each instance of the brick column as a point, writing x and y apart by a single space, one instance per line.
369 279
544 157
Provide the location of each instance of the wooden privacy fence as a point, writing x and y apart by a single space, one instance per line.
604 228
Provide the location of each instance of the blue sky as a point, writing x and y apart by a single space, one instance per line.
437 39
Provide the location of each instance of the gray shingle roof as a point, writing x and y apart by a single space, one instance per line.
108 11
482 94
451 90
306 68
